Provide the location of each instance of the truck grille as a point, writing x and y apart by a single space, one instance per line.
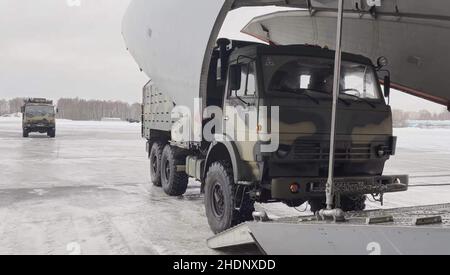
344 151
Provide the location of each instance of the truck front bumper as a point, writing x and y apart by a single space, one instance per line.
302 188
41 128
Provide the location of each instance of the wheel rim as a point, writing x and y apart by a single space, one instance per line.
154 164
167 169
218 200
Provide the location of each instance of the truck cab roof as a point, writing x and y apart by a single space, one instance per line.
38 101
258 49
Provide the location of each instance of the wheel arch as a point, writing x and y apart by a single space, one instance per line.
156 136
223 150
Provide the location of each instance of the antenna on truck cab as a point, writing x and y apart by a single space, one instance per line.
335 213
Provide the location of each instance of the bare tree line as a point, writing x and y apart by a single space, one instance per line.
10 106
401 117
81 109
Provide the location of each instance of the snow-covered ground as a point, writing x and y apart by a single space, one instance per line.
12 116
87 191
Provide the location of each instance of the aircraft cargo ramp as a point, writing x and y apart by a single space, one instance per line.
418 230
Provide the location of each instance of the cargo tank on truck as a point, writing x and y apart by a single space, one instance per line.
38 115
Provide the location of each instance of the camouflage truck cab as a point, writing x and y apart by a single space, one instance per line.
299 80
38 115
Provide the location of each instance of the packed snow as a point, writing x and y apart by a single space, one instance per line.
88 191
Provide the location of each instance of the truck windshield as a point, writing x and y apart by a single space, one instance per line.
39 110
313 76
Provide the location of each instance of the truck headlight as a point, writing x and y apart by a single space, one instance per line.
283 151
381 151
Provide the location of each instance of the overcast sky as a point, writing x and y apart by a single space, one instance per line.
56 48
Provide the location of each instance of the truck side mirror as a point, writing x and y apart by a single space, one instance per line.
22 109
382 62
387 86
234 80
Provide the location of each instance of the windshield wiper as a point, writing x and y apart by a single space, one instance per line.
360 99
327 93
299 92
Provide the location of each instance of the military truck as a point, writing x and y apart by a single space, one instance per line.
38 115
174 45
298 80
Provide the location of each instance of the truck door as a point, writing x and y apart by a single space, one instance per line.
240 109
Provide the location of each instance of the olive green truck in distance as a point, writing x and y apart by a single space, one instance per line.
298 80
38 115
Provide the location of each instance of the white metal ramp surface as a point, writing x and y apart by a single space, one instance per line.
421 230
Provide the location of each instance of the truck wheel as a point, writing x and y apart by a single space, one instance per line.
317 204
174 183
295 203
353 203
155 163
51 133
25 133
220 201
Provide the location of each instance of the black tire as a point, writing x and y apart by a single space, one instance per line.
353 203
155 163
317 204
51 133
220 200
348 203
174 183
25 133
296 203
